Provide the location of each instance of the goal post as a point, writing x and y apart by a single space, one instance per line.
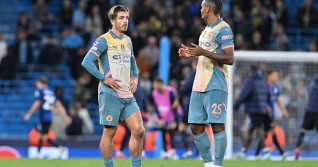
294 68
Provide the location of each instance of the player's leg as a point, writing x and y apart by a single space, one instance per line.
109 112
258 120
134 123
119 153
308 123
202 142
106 145
220 143
198 120
216 106
164 140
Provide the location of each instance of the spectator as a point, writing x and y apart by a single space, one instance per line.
257 43
306 15
281 13
76 126
81 93
72 40
312 46
40 13
23 22
79 16
150 53
94 19
50 54
8 66
3 47
83 113
66 13
59 94
76 67
22 50
239 42
281 39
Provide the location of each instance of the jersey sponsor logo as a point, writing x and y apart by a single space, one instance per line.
109 118
206 44
225 37
125 58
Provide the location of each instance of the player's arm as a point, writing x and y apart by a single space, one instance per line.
174 105
282 107
62 110
96 50
133 72
225 40
246 91
36 104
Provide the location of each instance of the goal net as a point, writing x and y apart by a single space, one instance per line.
295 73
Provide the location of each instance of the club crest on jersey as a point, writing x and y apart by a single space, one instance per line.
109 118
122 47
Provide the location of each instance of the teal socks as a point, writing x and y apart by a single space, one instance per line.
136 161
108 162
220 142
202 141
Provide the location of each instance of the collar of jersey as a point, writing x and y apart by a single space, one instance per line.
114 35
216 23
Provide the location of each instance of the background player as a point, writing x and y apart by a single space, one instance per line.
255 94
311 115
209 97
272 77
118 81
45 99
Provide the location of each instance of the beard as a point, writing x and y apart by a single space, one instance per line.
121 29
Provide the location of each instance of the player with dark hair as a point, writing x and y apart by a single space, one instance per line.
210 89
45 99
118 81
310 120
269 126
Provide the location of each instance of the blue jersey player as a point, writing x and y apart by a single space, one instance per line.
118 81
45 100
210 89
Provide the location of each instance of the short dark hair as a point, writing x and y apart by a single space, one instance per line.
112 14
254 68
216 4
43 80
158 79
269 72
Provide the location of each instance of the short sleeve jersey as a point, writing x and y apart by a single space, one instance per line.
211 75
114 60
47 98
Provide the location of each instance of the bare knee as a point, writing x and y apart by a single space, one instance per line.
109 132
138 132
197 129
216 128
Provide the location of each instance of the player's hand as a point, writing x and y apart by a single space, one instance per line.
67 119
27 117
161 123
112 82
133 84
183 51
182 127
172 126
196 50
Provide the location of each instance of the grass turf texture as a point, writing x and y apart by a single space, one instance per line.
148 163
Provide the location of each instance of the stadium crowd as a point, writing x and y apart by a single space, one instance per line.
257 25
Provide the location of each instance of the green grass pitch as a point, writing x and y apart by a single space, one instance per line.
148 163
